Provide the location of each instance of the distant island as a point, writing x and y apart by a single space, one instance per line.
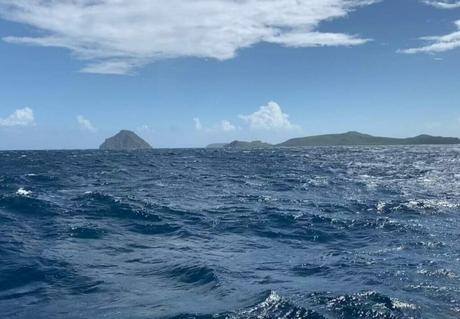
253 144
216 145
347 139
356 138
125 141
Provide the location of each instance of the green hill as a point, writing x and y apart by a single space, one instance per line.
356 138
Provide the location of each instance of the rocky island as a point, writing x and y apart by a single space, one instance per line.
125 141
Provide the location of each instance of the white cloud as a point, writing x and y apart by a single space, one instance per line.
446 4
85 124
269 117
301 38
226 126
198 125
117 36
438 43
120 67
442 43
20 117
223 126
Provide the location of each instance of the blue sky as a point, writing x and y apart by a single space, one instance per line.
185 74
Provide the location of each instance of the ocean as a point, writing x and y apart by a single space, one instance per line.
321 232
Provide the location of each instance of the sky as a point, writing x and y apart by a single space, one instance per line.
184 73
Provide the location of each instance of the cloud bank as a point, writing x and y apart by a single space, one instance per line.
20 117
118 36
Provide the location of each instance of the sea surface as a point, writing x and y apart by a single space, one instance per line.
326 232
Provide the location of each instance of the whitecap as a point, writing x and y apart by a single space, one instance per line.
403 305
22 192
438 273
381 206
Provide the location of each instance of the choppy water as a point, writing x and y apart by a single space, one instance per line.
368 232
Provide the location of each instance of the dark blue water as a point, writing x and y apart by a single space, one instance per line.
368 232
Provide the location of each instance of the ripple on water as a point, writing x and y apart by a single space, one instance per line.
100 205
50 276
154 229
22 204
87 232
193 274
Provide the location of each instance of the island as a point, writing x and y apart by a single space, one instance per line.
357 138
246 145
125 141
345 139
216 145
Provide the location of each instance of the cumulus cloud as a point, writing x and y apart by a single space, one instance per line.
438 44
446 4
118 36
20 117
85 124
269 117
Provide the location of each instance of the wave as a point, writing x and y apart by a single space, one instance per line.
41 178
439 273
306 270
363 305
44 275
87 232
193 274
104 205
154 229
417 207
21 204
369 304
271 306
